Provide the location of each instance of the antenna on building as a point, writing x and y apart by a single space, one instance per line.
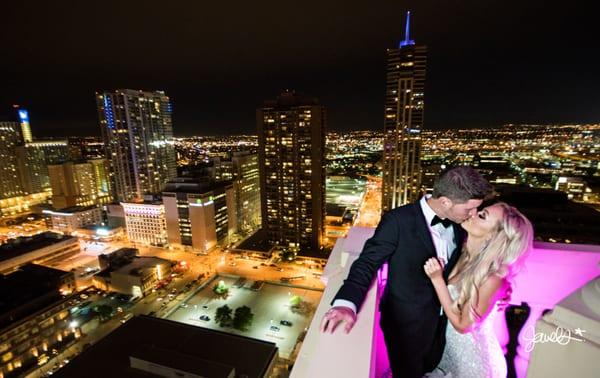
407 41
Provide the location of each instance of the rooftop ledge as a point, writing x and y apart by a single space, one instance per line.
564 278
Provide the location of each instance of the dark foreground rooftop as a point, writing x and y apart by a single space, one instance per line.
25 244
164 344
28 290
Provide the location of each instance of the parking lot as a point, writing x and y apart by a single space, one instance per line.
270 305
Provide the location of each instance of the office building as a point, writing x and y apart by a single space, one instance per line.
36 249
80 184
70 219
145 222
199 214
246 185
10 138
24 180
138 134
34 318
575 187
291 137
86 148
403 122
123 271
23 116
34 158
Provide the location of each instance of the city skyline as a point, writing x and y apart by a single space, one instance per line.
198 180
490 64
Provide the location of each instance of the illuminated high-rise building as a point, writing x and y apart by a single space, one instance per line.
199 214
138 134
291 137
79 184
86 148
404 110
103 187
34 158
145 222
32 169
72 184
246 184
23 173
23 115
10 138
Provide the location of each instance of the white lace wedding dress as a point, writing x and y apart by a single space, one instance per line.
476 354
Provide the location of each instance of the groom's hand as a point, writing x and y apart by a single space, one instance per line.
337 315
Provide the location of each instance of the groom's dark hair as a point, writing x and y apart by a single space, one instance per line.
461 184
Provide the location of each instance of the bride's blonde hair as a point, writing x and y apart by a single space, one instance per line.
501 255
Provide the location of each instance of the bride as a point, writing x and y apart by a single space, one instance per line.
498 238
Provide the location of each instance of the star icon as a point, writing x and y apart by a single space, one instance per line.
579 331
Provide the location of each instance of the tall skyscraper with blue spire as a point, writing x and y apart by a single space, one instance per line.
138 135
403 121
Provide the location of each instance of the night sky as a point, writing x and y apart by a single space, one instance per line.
490 62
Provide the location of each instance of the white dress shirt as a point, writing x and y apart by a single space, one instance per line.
443 238
443 241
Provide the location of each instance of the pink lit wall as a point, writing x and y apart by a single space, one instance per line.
551 272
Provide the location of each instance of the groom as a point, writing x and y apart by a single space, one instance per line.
412 322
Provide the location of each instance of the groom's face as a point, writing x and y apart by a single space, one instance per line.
460 212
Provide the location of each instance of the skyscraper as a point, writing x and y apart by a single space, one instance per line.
199 213
404 108
25 126
23 172
138 134
247 189
291 137
34 158
79 184
10 138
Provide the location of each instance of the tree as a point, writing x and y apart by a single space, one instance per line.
223 316
295 300
243 318
104 312
288 255
299 306
221 290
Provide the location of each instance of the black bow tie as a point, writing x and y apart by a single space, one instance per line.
445 222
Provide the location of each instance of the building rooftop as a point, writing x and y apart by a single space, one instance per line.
290 99
138 263
25 244
178 346
193 185
70 210
28 290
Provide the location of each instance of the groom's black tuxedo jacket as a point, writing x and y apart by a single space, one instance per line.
409 301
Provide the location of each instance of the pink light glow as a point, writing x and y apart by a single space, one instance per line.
551 272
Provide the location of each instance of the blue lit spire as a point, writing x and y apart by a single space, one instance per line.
407 41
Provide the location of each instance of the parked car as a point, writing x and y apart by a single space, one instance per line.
274 328
206 318
127 317
286 323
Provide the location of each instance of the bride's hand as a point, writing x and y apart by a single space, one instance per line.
434 268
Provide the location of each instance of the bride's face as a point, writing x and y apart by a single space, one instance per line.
485 222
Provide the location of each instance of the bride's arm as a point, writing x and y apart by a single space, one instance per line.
487 295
